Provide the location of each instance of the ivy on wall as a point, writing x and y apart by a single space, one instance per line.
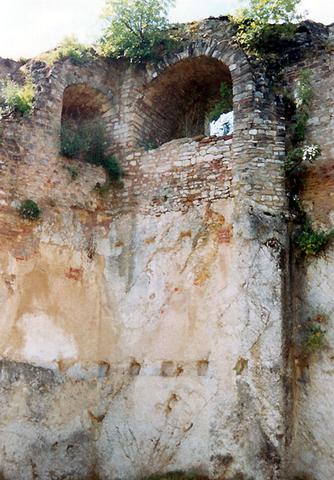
309 241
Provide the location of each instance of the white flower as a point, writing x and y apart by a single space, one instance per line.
311 152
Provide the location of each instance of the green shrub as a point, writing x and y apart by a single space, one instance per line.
299 125
315 337
87 141
298 156
97 143
17 98
136 29
112 167
302 97
71 48
265 25
312 242
224 104
72 140
309 241
264 41
294 159
29 210
303 91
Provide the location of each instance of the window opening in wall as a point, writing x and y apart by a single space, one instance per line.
190 98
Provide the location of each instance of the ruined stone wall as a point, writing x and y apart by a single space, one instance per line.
312 451
144 331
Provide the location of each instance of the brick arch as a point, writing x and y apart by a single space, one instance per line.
232 56
209 63
83 100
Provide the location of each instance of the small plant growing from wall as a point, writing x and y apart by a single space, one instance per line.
17 98
69 48
29 210
310 242
315 337
314 334
112 167
298 157
87 141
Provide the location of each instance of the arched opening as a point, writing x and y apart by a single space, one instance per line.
182 100
86 129
80 101
84 121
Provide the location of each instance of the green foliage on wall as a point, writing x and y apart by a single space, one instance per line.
69 48
314 338
312 242
265 25
29 210
17 98
302 98
73 141
298 157
88 141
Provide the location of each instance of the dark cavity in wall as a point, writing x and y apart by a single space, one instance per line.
85 122
177 103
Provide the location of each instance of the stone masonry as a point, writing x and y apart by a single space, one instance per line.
150 329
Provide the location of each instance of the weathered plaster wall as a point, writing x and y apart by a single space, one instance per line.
146 331
128 336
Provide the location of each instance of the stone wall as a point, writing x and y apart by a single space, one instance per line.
312 451
148 329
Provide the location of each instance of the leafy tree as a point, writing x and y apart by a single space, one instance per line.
266 24
134 28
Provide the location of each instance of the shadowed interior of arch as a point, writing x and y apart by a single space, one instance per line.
176 104
85 121
81 101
